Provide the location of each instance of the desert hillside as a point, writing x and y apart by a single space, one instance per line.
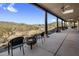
8 29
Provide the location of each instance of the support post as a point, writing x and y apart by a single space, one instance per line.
74 24
46 24
62 24
78 26
57 25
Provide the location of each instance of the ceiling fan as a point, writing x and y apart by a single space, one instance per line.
66 9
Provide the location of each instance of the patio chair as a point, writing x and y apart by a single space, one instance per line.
31 41
15 43
42 37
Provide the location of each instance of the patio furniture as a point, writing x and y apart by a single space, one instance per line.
15 43
42 37
31 41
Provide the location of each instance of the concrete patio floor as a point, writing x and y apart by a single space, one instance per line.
64 43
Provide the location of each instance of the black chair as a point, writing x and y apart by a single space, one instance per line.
42 37
58 30
14 43
31 41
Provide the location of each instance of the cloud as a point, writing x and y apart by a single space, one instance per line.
4 8
11 8
51 20
0 5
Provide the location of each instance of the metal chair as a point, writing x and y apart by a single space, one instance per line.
15 43
42 37
31 41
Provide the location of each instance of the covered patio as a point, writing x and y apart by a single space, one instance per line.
63 43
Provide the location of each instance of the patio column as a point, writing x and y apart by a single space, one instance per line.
78 26
70 24
62 24
46 24
74 24
57 25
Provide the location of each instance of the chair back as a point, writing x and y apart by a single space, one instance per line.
33 38
16 41
42 34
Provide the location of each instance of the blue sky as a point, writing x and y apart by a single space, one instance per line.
23 13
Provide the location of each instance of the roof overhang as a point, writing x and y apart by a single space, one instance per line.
56 9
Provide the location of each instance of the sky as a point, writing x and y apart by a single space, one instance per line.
23 13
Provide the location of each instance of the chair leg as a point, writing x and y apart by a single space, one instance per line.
11 51
23 50
8 50
31 46
20 48
42 40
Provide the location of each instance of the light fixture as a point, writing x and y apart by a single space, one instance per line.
70 19
68 11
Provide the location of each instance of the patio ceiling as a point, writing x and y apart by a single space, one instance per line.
57 8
